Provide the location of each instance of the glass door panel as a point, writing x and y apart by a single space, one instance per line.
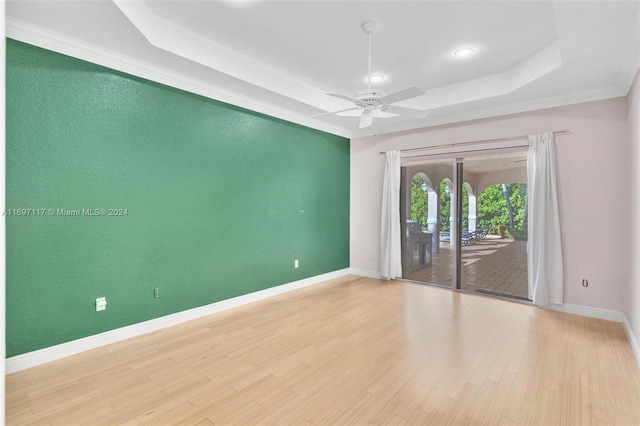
493 227
426 216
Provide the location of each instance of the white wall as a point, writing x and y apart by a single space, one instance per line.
631 295
594 187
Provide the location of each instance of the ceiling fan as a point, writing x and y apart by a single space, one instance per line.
371 101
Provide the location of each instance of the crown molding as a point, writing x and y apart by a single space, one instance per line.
38 36
59 43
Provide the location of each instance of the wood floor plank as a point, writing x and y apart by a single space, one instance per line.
477 410
494 413
353 350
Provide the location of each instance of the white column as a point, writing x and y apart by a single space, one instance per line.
432 220
472 213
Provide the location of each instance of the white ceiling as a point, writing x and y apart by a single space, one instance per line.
282 57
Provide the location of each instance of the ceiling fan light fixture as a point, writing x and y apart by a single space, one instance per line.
463 52
240 3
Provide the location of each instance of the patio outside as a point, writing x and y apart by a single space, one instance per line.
495 265
493 225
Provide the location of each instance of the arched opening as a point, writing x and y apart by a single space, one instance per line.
420 188
424 202
424 206
421 218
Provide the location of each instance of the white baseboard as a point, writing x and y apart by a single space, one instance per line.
632 338
42 356
568 308
605 315
365 273
587 311
31 359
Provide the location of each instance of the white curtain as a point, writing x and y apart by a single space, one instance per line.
390 249
544 248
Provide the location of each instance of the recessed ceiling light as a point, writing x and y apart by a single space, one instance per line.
240 3
464 52
375 78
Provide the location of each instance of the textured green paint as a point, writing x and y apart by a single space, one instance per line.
220 200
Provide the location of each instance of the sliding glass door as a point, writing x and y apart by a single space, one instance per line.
464 224
428 254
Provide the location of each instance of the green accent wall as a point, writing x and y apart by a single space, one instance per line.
220 200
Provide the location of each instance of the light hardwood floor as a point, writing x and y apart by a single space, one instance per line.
349 351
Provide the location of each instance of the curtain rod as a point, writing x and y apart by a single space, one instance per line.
453 145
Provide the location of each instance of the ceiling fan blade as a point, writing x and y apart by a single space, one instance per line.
403 95
409 112
346 98
335 112
366 120
358 113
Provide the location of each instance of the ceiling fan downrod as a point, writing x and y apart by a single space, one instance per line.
369 28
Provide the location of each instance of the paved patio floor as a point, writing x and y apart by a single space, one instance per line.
492 266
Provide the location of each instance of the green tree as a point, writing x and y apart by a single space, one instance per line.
465 209
492 206
445 206
505 193
419 205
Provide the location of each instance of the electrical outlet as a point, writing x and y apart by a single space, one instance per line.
156 293
101 303
295 263
585 283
